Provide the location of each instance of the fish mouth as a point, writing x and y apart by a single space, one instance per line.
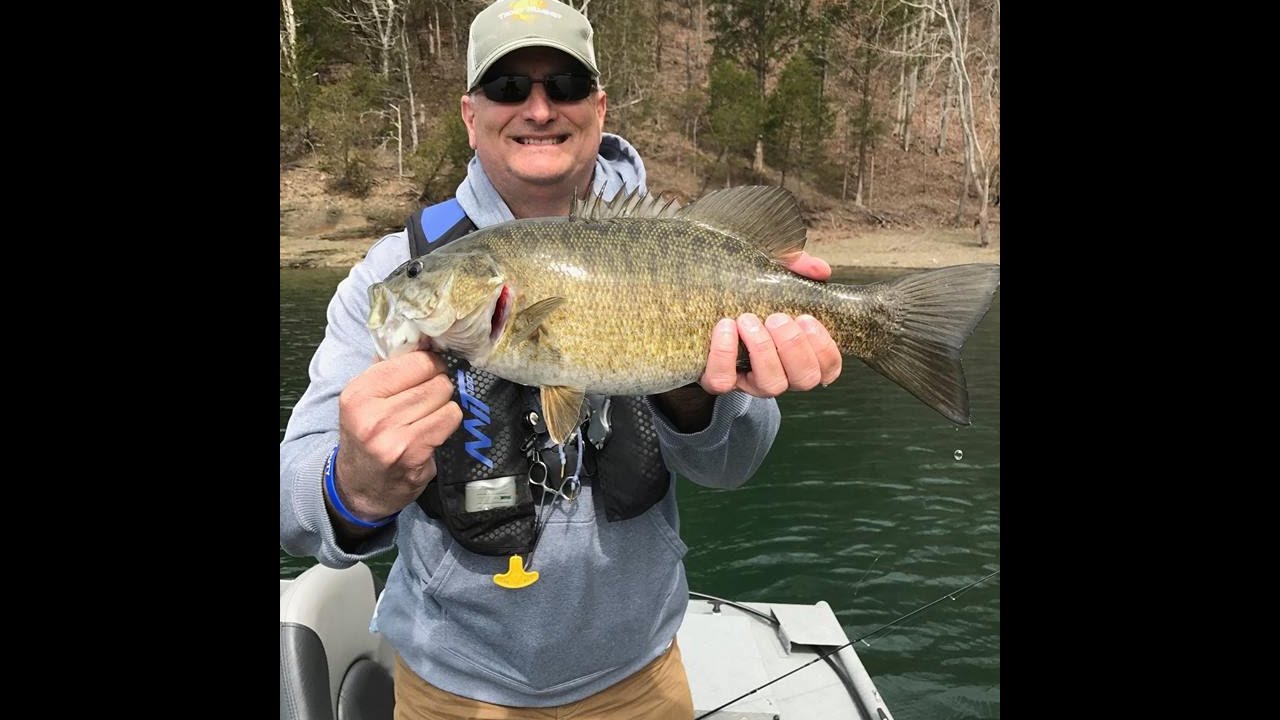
399 337
403 329
398 333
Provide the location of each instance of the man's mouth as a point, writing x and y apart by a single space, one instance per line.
553 140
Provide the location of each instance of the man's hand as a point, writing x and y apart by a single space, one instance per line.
786 353
391 418
814 268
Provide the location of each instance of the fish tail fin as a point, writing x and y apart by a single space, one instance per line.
936 312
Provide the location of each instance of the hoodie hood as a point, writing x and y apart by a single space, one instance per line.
618 167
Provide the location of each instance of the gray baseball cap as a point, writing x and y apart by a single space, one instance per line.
509 25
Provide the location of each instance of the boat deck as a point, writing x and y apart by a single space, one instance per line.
730 649
745 661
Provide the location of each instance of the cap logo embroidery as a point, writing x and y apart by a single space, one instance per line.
523 10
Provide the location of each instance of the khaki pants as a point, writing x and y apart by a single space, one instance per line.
657 691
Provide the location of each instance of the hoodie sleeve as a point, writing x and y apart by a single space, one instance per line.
730 449
346 350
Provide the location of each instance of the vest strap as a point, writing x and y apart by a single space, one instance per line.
435 225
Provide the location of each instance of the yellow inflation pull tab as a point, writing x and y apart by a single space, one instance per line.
515 577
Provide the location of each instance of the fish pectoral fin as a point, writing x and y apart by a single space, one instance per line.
527 321
562 409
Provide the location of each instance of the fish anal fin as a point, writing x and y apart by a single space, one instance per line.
562 410
528 320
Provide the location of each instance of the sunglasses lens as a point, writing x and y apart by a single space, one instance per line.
567 88
516 88
508 88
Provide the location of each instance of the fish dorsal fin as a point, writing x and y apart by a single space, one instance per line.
634 204
763 216
528 320
562 409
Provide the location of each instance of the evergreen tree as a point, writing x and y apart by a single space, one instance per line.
735 117
797 117
758 34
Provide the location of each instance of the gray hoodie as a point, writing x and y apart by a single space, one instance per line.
610 596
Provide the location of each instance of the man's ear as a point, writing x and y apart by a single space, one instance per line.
469 119
602 105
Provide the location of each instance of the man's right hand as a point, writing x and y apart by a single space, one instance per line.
391 418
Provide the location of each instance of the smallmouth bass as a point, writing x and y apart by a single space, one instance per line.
620 297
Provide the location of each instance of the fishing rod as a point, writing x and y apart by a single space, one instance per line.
824 655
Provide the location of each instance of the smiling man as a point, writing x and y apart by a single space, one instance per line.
545 147
453 467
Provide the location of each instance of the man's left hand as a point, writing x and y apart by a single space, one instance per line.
786 353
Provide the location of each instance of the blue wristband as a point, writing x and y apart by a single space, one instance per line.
331 491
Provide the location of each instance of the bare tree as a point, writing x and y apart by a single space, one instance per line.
859 62
693 60
398 124
294 120
906 84
408 85
381 26
947 103
289 43
627 41
976 68
917 43
377 24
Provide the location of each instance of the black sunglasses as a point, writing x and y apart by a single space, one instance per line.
562 87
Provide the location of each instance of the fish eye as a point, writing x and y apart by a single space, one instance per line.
414 268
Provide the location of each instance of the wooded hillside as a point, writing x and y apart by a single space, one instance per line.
874 112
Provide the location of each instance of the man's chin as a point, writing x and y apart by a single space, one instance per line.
543 173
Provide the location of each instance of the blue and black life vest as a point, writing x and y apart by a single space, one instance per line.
490 457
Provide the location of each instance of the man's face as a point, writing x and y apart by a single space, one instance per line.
536 141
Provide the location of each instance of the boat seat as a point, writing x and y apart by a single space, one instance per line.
331 666
368 693
367 690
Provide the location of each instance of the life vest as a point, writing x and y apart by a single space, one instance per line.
487 487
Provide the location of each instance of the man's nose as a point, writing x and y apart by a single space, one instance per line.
538 106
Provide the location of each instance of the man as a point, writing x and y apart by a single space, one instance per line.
374 459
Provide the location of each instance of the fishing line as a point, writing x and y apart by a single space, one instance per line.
824 655
865 574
